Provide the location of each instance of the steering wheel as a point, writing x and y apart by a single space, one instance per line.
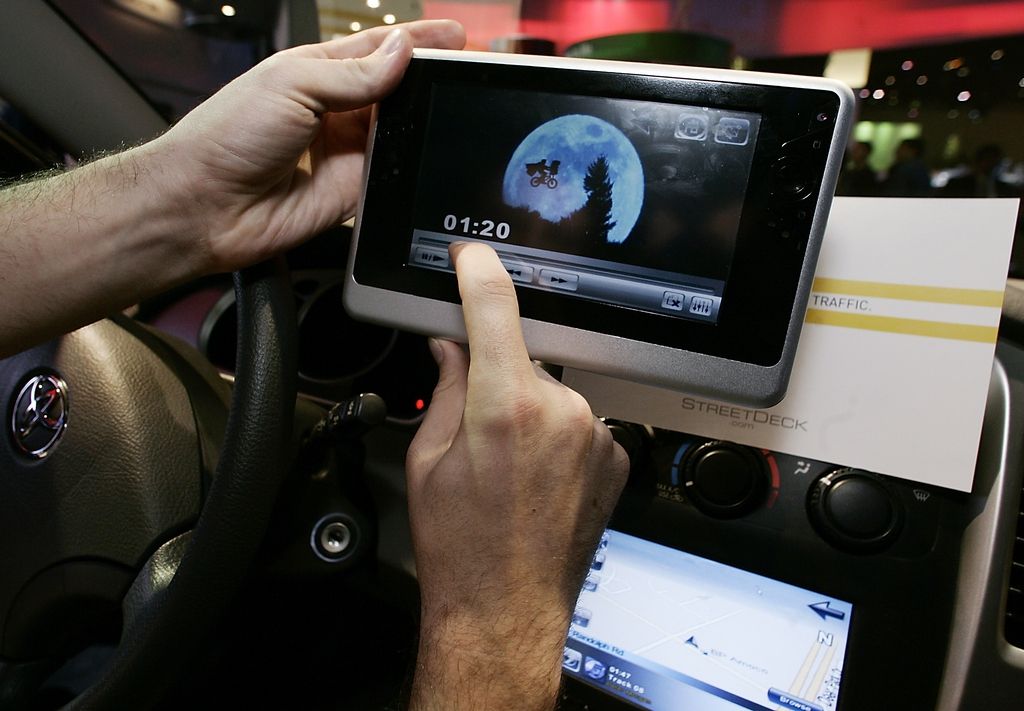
106 497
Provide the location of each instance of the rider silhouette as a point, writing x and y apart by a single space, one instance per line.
540 172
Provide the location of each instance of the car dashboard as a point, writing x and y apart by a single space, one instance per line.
730 577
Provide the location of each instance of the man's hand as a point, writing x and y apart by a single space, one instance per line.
511 482
277 154
270 160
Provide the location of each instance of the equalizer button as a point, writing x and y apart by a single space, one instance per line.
701 306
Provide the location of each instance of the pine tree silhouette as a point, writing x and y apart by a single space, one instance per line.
597 211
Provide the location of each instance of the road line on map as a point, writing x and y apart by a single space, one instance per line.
801 676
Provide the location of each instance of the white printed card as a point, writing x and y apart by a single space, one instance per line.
895 358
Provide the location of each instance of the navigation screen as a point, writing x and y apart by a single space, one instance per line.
667 630
632 203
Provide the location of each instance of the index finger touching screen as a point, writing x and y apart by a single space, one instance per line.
490 309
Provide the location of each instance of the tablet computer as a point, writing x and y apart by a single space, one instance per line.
660 223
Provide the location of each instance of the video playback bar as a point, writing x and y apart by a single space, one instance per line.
555 272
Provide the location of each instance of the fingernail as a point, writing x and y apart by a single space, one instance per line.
393 42
436 350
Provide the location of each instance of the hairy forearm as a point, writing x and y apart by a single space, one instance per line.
90 241
510 662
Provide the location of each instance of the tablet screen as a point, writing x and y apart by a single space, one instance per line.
632 203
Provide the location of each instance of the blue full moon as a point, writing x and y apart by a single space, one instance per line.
575 141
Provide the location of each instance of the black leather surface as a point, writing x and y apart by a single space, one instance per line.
254 460
125 474
209 393
154 579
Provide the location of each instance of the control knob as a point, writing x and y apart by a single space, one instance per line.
634 439
725 480
854 510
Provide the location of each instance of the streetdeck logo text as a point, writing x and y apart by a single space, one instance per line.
741 414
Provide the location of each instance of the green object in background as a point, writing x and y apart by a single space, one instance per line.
884 137
688 48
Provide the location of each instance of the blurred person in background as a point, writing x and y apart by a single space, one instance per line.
858 178
984 178
909 176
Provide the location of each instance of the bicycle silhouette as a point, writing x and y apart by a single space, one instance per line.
543 174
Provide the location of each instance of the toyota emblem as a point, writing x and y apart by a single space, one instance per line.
40 415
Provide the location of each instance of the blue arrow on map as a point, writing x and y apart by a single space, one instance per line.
823 609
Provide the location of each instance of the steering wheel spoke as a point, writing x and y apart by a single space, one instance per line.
123 486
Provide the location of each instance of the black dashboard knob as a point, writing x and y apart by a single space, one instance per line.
635 439
854 510
725 480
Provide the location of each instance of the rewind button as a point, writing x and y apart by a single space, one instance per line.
519 272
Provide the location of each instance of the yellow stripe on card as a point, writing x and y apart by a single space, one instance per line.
910 292
907 326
